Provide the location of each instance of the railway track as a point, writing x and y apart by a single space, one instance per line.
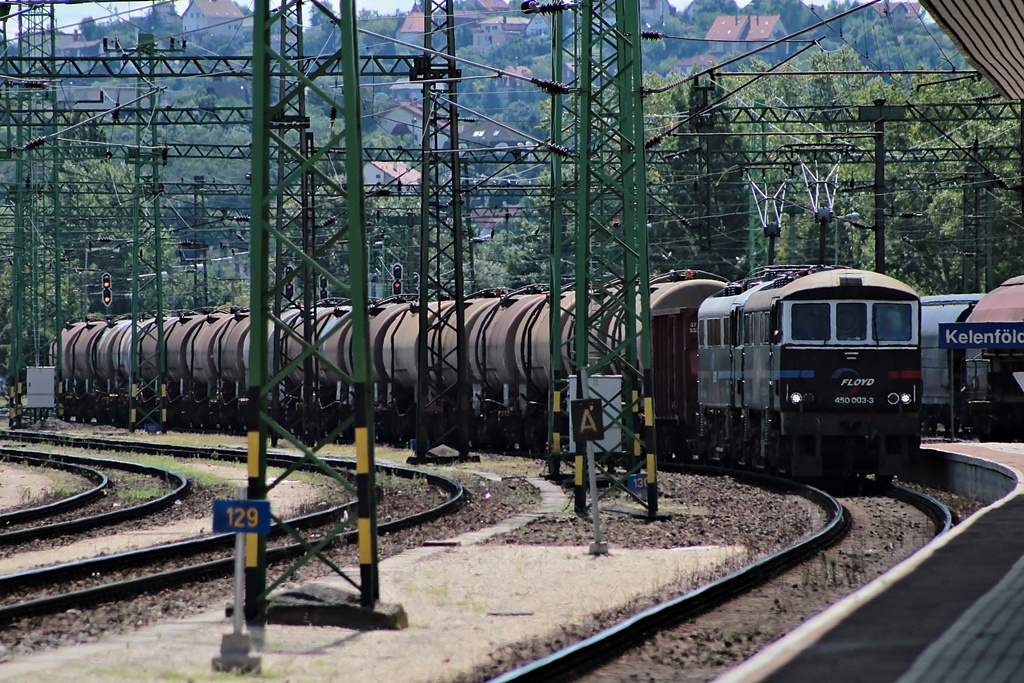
606 645
86 583
92 469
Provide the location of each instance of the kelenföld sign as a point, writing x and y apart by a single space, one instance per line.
981 335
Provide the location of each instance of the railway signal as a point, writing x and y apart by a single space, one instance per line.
323 286
396 276
289 287
106 294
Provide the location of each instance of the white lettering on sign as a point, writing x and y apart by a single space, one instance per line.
588 424
980 339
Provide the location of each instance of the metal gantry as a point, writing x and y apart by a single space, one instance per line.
611 261
147 405
442 381
279 78
36 311
564 35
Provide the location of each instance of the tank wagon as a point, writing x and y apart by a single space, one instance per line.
812 372
943 371
996 390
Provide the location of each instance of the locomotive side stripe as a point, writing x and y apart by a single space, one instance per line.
796 374
904 374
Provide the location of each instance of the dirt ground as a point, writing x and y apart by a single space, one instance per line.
20 486
15 480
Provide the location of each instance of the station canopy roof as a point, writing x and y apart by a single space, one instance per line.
990 34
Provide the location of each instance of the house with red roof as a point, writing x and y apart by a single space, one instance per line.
539 26
404 118
499 30
899 13
214 17
489 5
392 173
411 30
737 34
75 45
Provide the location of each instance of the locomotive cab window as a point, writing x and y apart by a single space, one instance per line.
892 322
810 322
851 321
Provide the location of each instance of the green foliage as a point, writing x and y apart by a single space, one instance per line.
941 175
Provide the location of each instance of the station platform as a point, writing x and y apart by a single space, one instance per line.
953 612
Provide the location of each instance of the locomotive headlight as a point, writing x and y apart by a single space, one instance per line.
905 399
796 397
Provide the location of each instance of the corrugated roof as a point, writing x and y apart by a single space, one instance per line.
990 34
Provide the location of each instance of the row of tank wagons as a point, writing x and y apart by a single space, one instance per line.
207 354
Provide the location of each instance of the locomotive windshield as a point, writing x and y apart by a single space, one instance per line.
892 322
851 321
846 322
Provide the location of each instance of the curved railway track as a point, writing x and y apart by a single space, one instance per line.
52 581
99 480
90 468
604 646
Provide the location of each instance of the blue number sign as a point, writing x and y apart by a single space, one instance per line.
241 516
637 483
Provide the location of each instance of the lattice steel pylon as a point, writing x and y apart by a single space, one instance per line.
279 78
563 185
612 333
442 383
36 314
148 380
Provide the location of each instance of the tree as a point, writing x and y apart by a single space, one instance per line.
90 29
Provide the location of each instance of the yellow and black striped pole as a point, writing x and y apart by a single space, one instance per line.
367 503
650 441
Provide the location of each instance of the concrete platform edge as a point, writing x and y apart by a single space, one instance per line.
779 653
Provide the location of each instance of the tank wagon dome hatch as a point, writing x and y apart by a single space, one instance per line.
1003 304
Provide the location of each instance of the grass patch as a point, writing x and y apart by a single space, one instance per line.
66 484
